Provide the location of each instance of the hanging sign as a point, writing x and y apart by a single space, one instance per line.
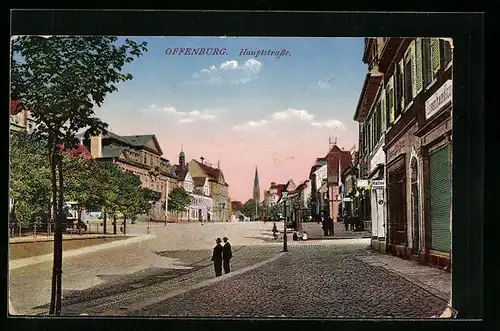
378 184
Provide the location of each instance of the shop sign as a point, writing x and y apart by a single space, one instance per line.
441 98
378 184
346 199
362 182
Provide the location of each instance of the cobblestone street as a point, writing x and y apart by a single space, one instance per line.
309 281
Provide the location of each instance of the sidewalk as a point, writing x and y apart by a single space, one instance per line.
315 232
83 236
433 280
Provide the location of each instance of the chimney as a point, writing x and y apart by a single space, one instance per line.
96 146
273 184
202 158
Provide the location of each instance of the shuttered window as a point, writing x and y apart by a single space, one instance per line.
400 100
418 66
390 99
426 61
383 112
407 82
413 70
440 199
379 122
435 56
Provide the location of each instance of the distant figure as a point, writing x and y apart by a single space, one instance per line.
329 226
275 231
325 226
295 236
217 257
346 222
304 235
227 254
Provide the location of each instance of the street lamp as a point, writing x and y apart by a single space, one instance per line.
284 194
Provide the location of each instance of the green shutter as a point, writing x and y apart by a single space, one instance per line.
435 56
390 92
402 82
440 198
418 66
413 70
383 111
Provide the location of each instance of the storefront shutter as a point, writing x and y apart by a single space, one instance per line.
413 70
418 66
440 197
390 90
435 56
383 112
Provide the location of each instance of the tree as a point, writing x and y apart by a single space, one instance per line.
29 180
274 211
60 80
249 209
178 201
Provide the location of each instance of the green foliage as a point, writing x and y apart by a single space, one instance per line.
179 200
249 209
62 79
29 179
274 211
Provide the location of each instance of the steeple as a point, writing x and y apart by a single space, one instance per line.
182 158
256 188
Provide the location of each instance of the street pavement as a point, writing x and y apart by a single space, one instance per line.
170 273
315 231
314 281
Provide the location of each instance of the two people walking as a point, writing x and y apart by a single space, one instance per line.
221 256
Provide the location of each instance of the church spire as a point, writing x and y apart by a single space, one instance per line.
256 187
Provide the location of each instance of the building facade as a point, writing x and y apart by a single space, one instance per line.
140 155
405 118
217 186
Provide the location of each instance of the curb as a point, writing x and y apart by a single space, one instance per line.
20 263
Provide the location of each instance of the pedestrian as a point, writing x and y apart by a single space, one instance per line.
304 236
217 257
295 236
325 226
346 222
330 226
227 254
275 231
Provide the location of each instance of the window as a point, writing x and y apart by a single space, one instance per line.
379 120
145 159
390 101
399 89
418 66
426 61
383 112
407 82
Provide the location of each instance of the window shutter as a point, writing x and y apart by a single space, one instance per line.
418 66
402 82
390 89
413 70
435 56
383 112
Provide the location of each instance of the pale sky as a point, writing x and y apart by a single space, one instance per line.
273 113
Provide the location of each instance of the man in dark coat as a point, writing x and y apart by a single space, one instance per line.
227 254
217 257
330 226
325 226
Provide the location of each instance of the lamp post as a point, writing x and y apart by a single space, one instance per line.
284 194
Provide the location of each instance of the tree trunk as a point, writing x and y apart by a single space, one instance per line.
58 236
124 225
53 161
114 224
105 221
79 219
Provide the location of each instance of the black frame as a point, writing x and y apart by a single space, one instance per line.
467 30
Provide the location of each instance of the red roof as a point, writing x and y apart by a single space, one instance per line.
333 160
15 107
212 173
80 151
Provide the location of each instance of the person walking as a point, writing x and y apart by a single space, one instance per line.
325 226
227 254
275 231
217 257
330 226
346 222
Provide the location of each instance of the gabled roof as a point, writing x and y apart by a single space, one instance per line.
79 151
199 181
180 172
211 172
367 97
142 141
